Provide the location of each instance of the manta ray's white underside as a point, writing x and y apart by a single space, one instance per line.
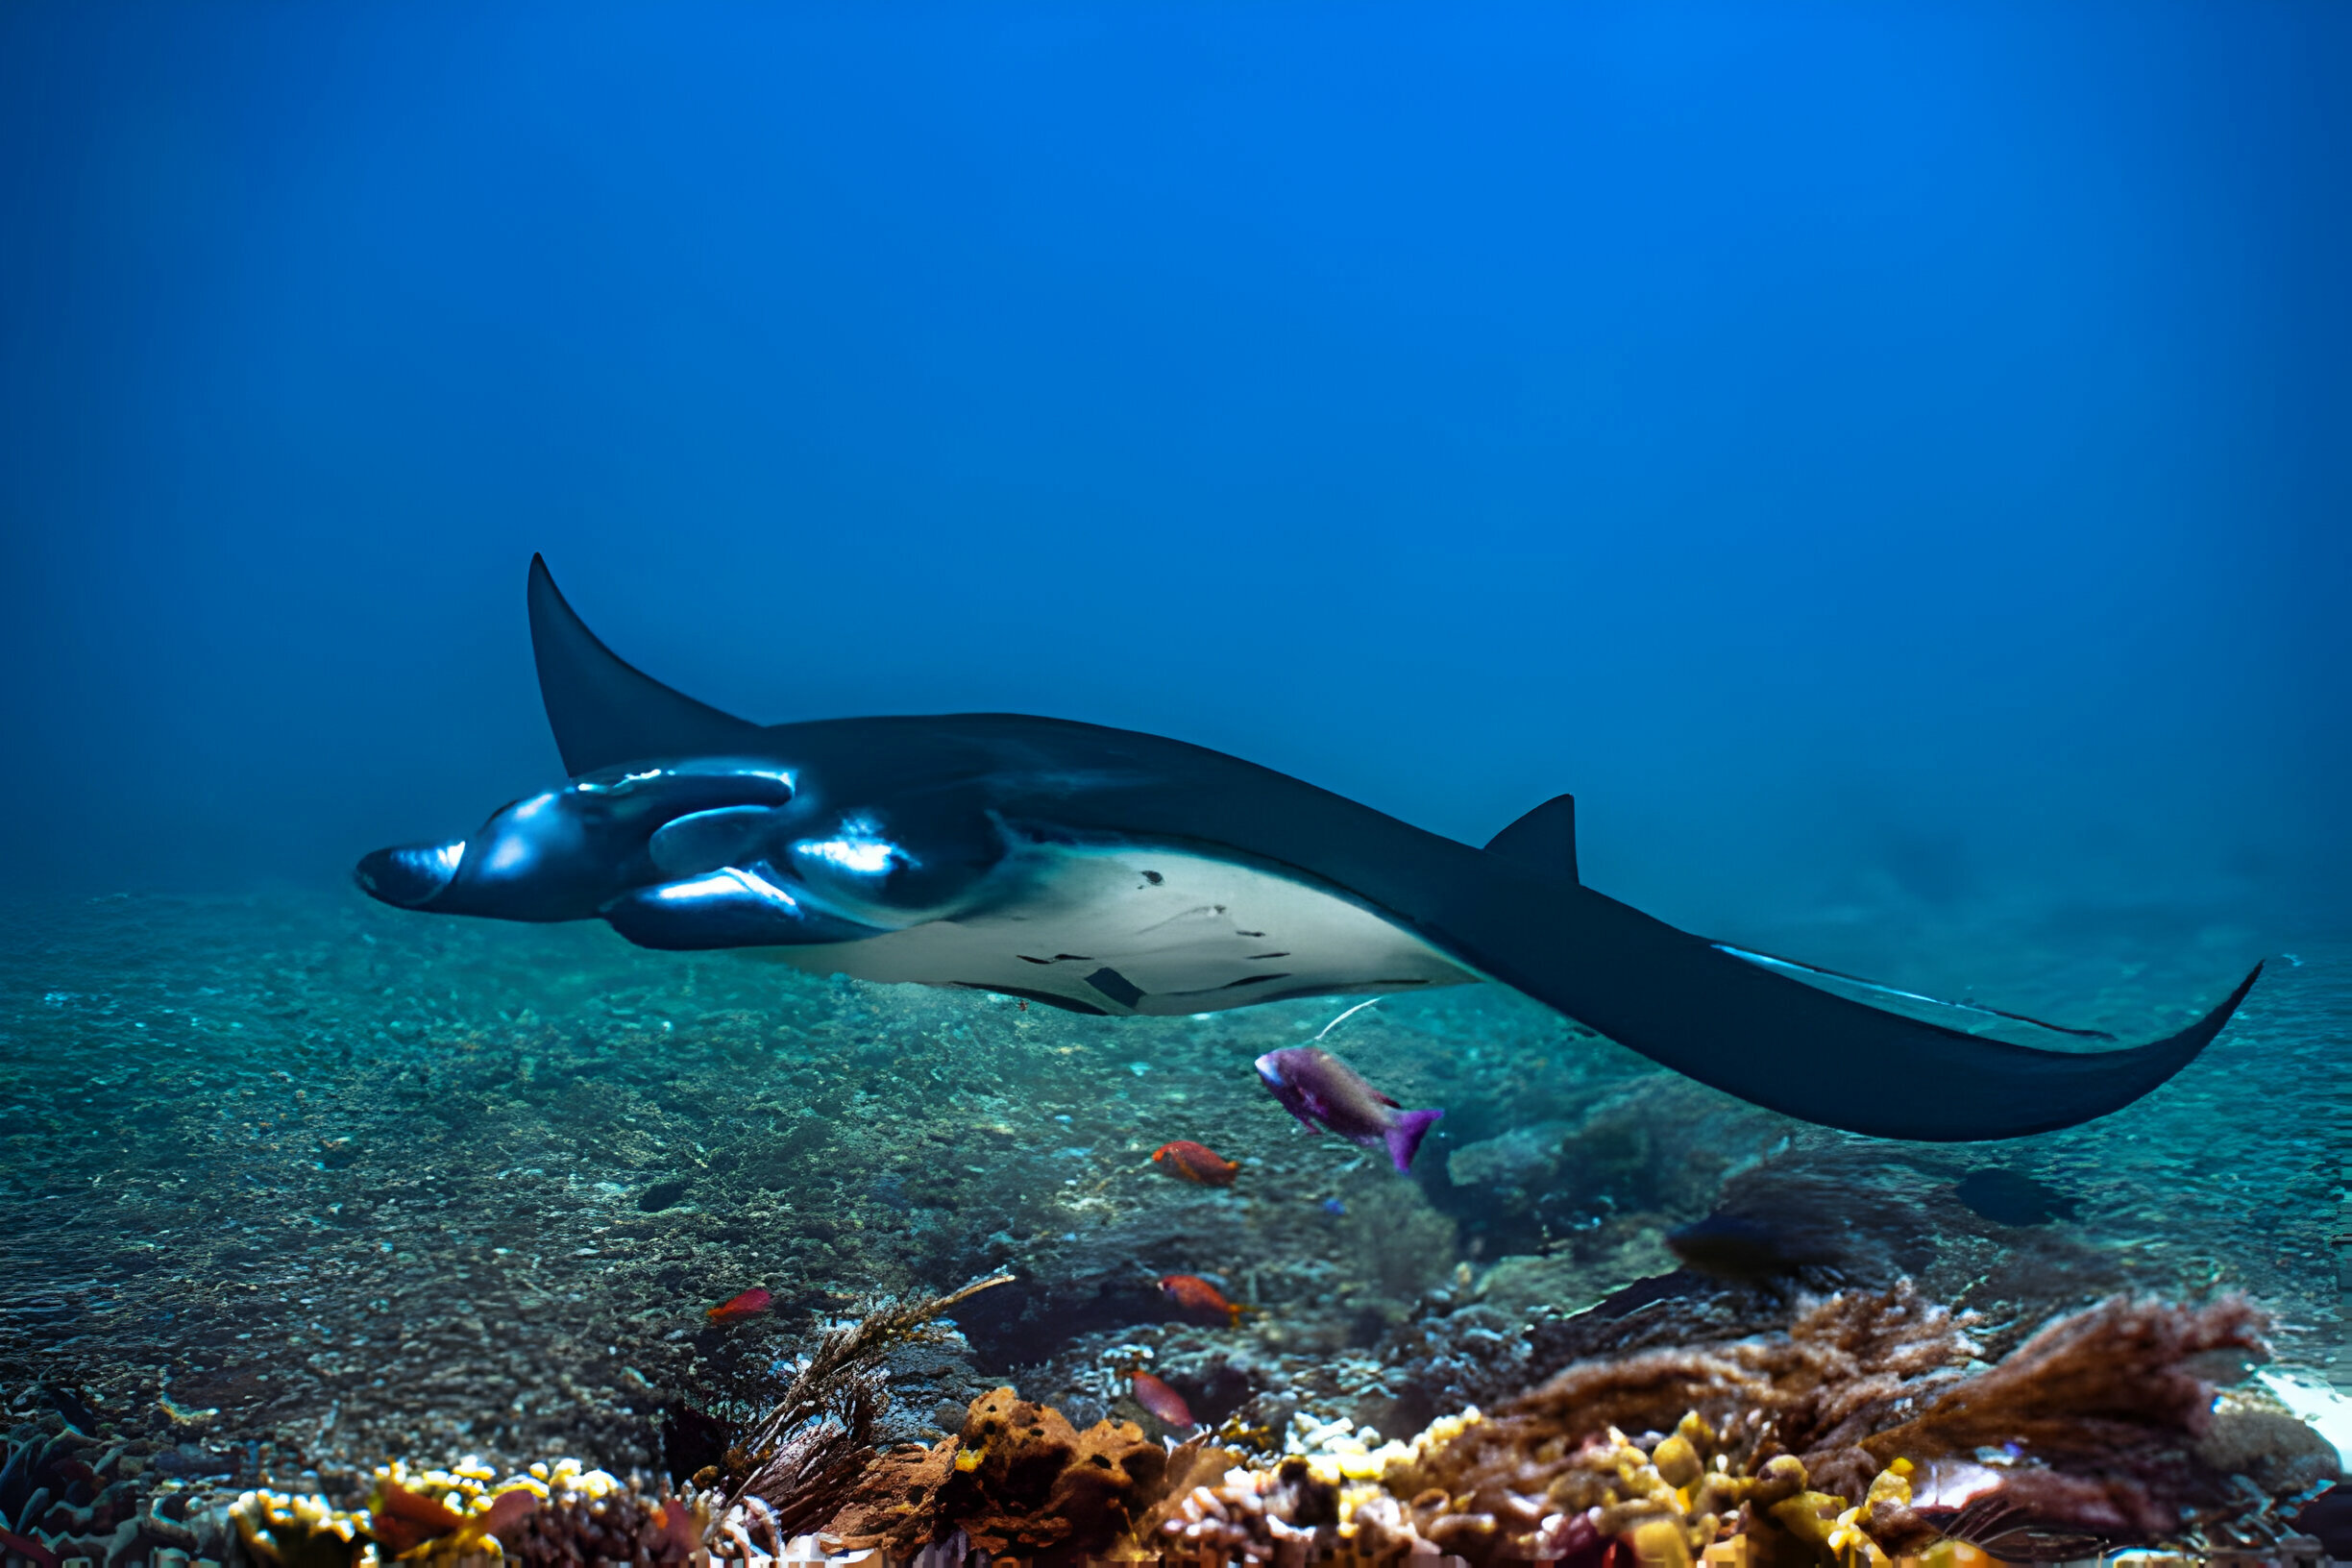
1131 930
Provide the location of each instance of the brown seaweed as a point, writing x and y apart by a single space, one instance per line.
804 1460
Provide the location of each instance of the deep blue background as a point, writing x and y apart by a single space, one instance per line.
1878 451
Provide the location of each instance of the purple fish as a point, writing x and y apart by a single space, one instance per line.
1325 1092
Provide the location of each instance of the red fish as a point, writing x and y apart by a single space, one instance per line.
735 1308
1160 1400
1195 1297
1191 1162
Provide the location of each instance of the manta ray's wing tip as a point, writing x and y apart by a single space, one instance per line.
2229 1003
603 709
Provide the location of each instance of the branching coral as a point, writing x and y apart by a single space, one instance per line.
801 1464
2115 1379
2104 1408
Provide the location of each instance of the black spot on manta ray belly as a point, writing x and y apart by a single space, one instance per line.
1154 878
1115 986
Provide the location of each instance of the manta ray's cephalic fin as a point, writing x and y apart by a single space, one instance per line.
1544 839
603 710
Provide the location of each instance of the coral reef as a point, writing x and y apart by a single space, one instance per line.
1864 1427
2084 1437
550 1514
802 1459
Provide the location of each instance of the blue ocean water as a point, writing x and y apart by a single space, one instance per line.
1888 462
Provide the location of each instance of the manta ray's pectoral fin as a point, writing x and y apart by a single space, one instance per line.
1775 1035
605 711
1544 839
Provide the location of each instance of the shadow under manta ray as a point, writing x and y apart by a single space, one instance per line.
1114 873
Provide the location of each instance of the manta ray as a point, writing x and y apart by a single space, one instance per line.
1109 871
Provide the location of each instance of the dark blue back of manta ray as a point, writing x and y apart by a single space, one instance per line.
1514 911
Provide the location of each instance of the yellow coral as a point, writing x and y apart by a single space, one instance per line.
296 1531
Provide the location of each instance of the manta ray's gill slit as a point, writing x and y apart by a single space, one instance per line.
1255 957
1115 986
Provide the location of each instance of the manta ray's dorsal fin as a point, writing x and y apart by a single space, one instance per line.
605 711
1545 838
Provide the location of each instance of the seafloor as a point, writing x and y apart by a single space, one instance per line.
327 1185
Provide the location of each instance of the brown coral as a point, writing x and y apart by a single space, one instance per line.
1027 1481
2117 1378
1018 1478
894 1508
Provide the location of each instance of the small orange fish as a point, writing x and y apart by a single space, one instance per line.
1160 1400
1191 1162
1195 1297
735 1308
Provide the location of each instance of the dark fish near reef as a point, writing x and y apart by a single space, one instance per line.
735 1308
1325 1092
1160 1400
1749 1251
1196 1298
2010 1198
1191 1162
1109 871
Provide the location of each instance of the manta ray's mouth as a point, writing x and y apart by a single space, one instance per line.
410 875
